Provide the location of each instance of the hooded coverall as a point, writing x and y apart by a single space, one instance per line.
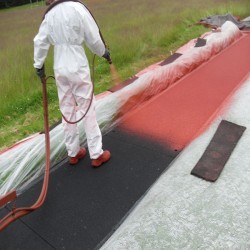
67 26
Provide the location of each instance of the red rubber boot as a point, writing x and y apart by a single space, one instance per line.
81 154
104 157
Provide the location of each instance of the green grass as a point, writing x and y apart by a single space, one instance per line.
138 32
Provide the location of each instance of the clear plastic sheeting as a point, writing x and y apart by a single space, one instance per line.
21 165
181 211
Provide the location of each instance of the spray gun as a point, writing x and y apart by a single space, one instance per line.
109 60
107 56
116 79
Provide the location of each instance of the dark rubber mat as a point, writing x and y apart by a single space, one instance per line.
84 205
123 84
170 59
200 42
212 162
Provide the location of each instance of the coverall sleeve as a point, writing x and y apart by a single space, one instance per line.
41 45
92 36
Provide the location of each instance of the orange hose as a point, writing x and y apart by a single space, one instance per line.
19 212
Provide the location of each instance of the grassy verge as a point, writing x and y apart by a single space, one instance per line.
138 32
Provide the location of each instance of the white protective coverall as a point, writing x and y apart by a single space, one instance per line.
67 26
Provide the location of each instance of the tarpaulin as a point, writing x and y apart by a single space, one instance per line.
218 20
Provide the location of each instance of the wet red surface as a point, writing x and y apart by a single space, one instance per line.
180 113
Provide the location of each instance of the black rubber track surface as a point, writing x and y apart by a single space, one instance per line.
85 205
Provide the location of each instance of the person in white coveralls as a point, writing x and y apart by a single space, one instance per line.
66 26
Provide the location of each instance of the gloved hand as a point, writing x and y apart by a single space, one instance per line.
107 56
41 72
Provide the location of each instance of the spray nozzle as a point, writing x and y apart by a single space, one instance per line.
109 60
107 56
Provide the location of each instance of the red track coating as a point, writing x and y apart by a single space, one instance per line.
182 112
